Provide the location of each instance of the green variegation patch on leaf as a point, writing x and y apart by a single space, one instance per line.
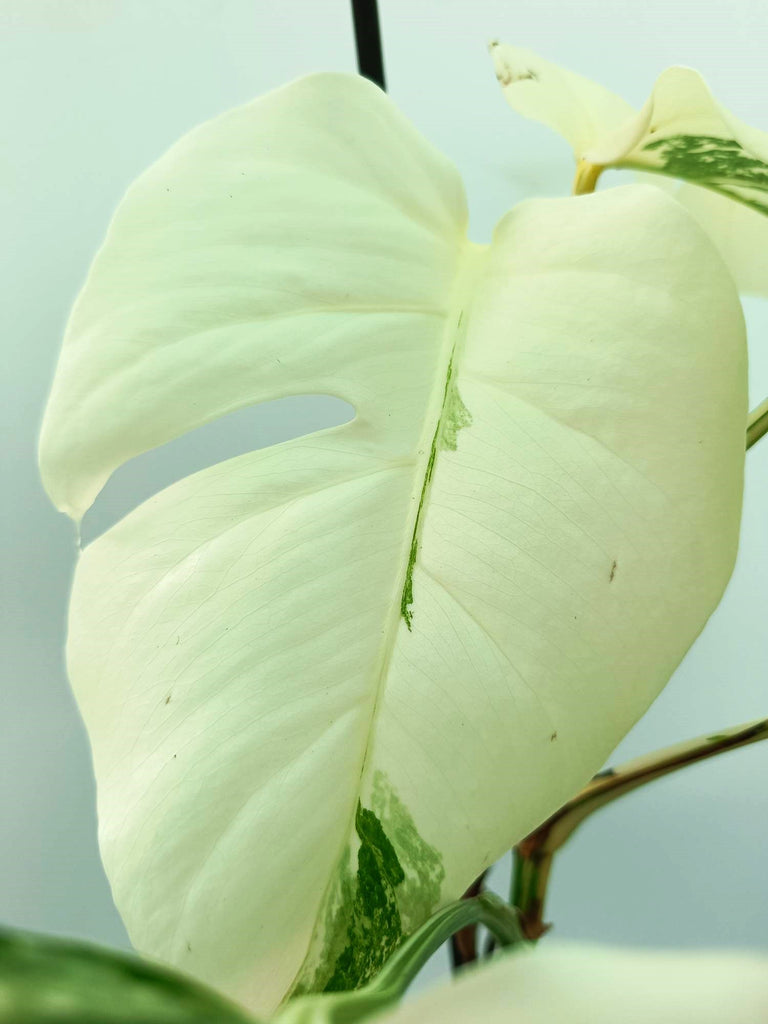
373 926
681 132
422 865
395 887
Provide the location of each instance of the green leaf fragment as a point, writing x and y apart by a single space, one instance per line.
53 981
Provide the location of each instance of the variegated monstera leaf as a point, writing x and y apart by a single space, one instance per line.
681 132
329 682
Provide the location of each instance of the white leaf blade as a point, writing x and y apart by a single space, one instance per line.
403 204
371 243
249 691
580 110
564 513
238 644
591 984
740 234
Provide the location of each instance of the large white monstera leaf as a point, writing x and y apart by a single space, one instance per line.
681 132
329 682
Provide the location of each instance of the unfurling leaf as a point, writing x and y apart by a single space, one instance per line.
328 683
681 132
590 984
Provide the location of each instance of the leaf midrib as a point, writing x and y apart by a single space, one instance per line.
469 264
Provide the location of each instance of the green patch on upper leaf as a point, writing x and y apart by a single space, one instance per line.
716 163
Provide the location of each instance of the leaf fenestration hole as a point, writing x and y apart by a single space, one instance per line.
245 430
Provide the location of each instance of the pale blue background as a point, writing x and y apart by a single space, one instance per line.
91 94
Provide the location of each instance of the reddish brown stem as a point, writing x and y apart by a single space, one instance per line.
533 856
464 942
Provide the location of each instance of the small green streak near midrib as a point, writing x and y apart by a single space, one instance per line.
450 421
406 601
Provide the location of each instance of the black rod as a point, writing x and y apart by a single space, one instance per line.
370 60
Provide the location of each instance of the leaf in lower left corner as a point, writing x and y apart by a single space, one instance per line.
44 980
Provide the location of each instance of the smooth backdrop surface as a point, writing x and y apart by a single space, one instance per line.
91 93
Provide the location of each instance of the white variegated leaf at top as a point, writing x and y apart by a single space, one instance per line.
591 984
580 110
328 683
681 132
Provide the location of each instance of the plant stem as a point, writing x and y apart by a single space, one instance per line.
486 909
757 423
464 941
533 856
586 177
398 972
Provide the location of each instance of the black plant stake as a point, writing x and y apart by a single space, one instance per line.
370 60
